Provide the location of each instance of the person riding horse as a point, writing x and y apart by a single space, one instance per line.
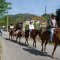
15 33
11 26
52 25
31 31
31 27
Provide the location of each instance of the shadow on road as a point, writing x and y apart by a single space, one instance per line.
40 53
20 43
36 52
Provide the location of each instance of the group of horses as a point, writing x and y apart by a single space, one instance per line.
44 37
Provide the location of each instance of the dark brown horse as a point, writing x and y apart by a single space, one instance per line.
33 35
19 35
45 38
13 33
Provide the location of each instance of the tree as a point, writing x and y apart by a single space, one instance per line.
46 16
58 17
4 6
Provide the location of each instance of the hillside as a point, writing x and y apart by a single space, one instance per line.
20 18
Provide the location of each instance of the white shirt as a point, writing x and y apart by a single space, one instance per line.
54 22
11 27
31 26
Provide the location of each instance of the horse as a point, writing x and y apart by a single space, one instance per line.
33 35
17 34
11 33
45 38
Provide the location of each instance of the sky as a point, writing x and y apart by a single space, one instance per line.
36 7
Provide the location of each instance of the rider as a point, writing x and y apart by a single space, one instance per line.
11 27
31 26
52 24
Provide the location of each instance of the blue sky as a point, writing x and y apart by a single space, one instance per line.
36 7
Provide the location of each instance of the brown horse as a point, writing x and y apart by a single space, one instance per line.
45 38
33 35
19 35
13 33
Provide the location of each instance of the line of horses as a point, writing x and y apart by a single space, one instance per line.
44 37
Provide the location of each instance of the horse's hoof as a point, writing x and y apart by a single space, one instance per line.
28 44
16 40
19 42
35 46
44 50
25 42
52 57
41 50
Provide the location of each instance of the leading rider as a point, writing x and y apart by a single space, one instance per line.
52 25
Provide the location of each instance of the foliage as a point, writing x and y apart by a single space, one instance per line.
14 19
46 16
58 17
3 21
4 6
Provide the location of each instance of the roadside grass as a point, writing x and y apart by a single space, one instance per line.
0 50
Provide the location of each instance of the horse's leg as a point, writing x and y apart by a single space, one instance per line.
27 41
19 39
45 45
34 43
55 46
9 36
42 44
16 38
13 36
